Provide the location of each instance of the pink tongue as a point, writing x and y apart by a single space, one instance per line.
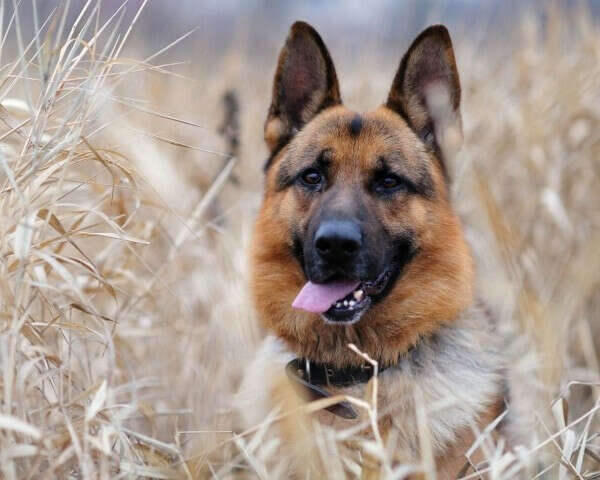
318 297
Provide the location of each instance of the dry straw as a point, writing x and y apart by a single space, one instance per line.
123 310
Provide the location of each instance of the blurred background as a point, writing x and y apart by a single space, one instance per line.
131 151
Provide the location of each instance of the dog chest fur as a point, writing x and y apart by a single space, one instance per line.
455 375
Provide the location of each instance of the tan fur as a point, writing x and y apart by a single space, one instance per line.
436 286
445 350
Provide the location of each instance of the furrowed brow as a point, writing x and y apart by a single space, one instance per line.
284 177
289 169
418 177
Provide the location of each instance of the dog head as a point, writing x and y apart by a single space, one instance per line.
356 239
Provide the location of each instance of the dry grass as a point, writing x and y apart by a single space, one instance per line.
123 312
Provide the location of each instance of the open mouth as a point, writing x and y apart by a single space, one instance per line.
351 308
341 301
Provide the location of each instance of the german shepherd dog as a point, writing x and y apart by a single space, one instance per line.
357 242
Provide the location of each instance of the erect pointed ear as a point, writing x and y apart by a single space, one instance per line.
305 83
426 90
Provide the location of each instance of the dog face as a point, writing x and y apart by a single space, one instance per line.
356 240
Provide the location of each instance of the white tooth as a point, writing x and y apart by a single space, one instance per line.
352 303
345 303
338 304
358 295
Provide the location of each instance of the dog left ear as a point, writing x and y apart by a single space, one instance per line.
305 83
426 90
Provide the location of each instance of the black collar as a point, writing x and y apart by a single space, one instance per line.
308 377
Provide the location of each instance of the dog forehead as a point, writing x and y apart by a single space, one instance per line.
364 137
348 124
353 145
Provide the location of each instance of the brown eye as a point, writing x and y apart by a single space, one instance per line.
390 182
311 177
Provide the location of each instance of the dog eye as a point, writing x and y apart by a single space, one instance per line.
390 182
311 177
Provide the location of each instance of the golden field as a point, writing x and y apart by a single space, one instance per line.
126 211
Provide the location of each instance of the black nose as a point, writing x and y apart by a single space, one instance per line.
338 240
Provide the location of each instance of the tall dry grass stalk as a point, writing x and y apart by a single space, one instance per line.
77 216
124 322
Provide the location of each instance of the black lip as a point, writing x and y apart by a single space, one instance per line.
336 315
398 265
377 286
373 290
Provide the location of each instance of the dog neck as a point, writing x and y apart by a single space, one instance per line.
309 379
450 345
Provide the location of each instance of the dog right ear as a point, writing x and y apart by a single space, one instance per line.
426 90
305 83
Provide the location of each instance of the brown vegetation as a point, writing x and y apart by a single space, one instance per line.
124 320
